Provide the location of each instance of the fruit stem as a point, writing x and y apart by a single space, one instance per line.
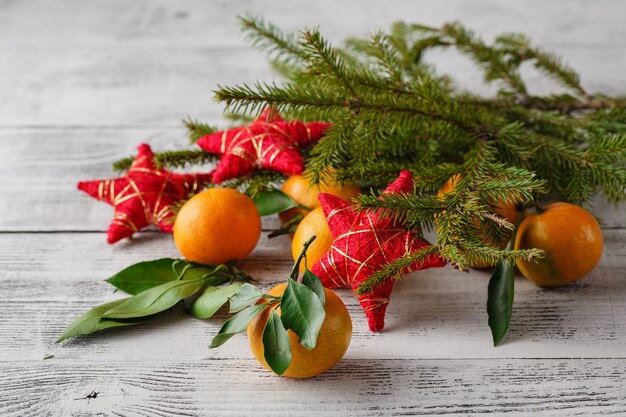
538 207
237 272
288 227
296 266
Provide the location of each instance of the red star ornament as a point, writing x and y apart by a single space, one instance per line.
145 195
362 244
269 143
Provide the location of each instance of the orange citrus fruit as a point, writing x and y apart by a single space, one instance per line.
508 211
571 238
313 223
332 341
216 226
299 188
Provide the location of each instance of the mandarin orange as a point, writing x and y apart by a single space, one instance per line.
216 226
571 238
332 341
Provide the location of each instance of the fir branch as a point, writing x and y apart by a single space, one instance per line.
569 105
330 151
323 60
386 57
491 60
197 129
171 159
261 180
411 210
395 269
267 36
238 117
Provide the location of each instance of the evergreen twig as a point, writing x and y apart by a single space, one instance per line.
391 110
171 159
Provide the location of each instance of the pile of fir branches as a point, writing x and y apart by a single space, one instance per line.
391 111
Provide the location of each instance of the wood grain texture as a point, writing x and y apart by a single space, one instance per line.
355 387
437 313
118 86
196 24
86 82
154 62
40 169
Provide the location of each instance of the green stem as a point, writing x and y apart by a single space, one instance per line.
296 266
238 273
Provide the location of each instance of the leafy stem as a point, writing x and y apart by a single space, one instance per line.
158 285
301 311
500 293
296 266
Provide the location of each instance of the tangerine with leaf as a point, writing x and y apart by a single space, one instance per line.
298 329
333 338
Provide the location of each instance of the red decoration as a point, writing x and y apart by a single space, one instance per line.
268 143
363 243
145 195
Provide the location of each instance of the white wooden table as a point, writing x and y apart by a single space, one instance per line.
82 83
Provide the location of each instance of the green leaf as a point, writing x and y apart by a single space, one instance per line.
500 299
500 291
276 344
272 201
92 321
247 294
144 275
236 324
156 299
313 282
212 299
302 312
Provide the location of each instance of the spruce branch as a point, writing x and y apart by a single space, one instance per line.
391 110
323 60
396 268
197 129
171 159
269 37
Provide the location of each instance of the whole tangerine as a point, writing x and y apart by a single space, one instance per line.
217 225
332 341
571 238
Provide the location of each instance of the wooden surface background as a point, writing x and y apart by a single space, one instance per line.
83 83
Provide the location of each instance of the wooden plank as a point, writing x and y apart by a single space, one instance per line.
166 66
118 86
355 387
190 24
136 68
50 279
39 169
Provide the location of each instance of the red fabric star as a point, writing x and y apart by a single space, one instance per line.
362 244
268 143
145 195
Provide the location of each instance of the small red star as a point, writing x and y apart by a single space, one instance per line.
362 244
269 143
145 195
